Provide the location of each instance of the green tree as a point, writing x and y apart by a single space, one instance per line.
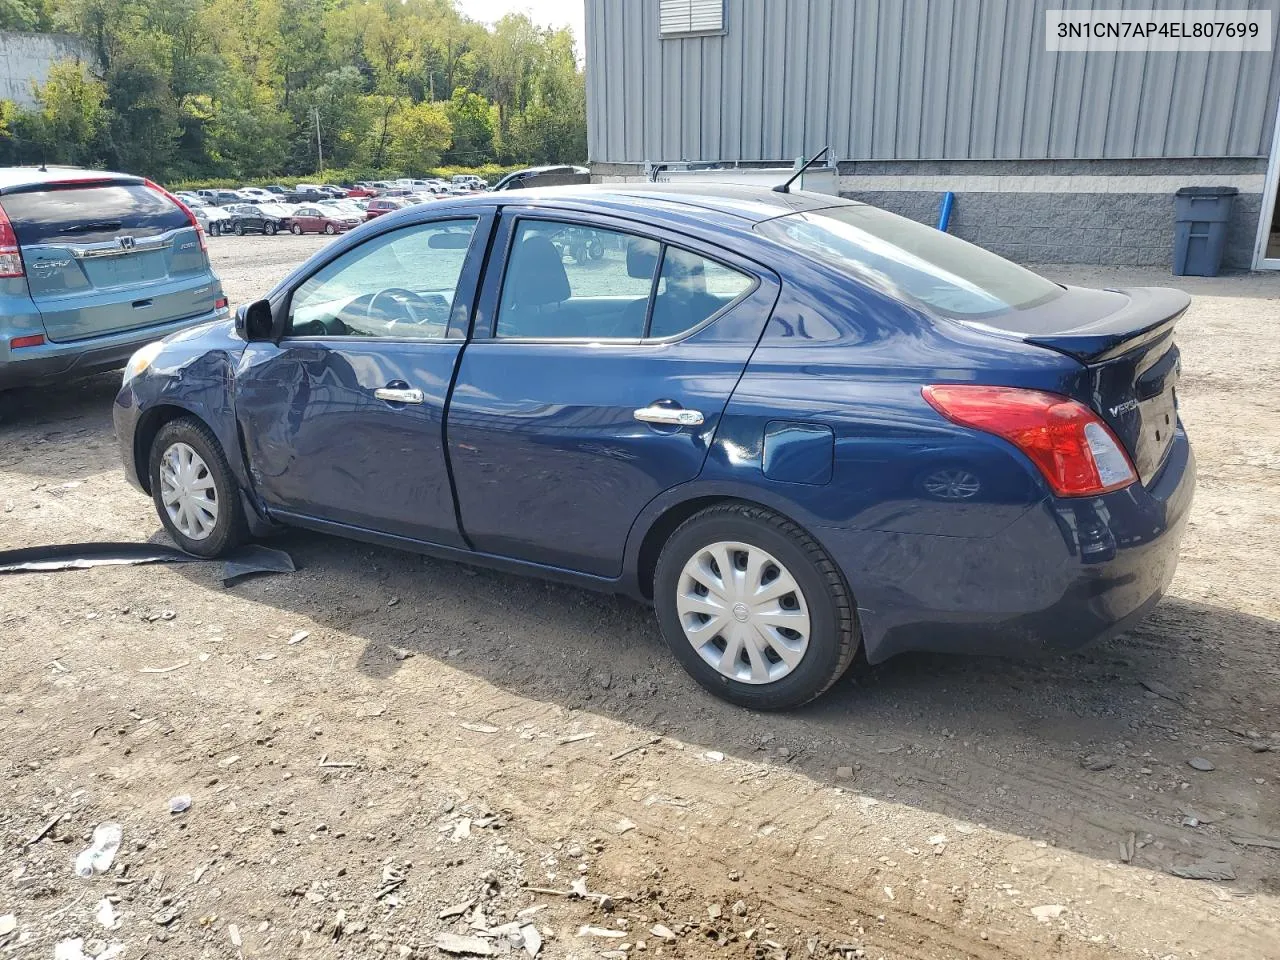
469 115
419 135
71 115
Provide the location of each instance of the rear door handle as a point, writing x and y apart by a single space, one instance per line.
400 394
669 416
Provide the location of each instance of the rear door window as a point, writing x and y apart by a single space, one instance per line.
91 214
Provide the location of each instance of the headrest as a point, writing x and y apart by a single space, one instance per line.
538 277
642 258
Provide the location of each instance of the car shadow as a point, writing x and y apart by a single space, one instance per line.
73 419
1001 742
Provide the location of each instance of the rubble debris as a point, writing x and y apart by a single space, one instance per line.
1206 870
473 946
1201 764
176 666
179 804
448 913
1050 911
531 939
590 931
106 915
639 746
661 932
101 851
479 727
1160 690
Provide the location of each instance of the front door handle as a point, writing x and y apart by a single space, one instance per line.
400 394
669 416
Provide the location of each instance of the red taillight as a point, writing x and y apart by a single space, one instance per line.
10 255
1077 453
34 340
220 303
191 217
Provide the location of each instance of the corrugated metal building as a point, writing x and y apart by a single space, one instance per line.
1053 156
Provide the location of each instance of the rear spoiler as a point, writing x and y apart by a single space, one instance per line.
74 181
1150 314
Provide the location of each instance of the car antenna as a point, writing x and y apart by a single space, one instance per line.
786 187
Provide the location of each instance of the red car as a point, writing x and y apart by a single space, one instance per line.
380 206
361 190
315 220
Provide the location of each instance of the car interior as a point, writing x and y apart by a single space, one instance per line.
605 291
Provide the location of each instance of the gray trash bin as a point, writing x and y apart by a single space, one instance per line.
1200 229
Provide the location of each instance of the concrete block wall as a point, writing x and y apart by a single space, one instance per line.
1125 229
25 59
1117 212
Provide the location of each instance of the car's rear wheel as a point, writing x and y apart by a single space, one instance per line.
269 228
194 491
296 229
754 608
238 229
330 229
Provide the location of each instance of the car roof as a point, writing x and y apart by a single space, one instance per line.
670 201
12 178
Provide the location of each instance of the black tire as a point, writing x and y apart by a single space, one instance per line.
238 229
330 229
834 636
296 229
214 229
230 529
269 228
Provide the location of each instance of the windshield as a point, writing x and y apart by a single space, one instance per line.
912 261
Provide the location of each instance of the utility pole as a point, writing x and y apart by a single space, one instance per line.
319 146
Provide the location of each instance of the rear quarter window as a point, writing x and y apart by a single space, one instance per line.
91 214
912 261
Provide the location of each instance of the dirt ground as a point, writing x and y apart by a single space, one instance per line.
382 748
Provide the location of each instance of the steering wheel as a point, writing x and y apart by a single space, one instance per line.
417 308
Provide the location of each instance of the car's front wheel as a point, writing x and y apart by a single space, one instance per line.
214 229
330 229
194 490
269 228
754 608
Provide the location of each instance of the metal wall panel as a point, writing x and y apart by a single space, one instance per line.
912 80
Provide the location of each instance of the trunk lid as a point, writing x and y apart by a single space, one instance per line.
103 257
1124 339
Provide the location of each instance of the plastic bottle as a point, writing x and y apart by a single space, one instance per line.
97 858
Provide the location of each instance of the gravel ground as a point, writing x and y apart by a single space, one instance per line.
382 749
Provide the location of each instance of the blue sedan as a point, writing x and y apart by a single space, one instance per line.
799 426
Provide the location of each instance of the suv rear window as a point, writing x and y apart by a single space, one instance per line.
91 214
911 260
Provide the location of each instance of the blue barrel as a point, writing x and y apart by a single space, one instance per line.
1200 229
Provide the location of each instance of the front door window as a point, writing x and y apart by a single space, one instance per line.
400 285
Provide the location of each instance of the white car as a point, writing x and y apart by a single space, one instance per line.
258 194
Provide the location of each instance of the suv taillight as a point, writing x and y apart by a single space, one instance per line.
191 217
1077 453
10 255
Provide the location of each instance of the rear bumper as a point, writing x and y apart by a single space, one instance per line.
53 362
1067 573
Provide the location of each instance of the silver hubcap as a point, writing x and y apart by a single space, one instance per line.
743 612
188 492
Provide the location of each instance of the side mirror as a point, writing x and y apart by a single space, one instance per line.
255 323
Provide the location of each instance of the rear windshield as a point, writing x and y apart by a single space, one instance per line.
913 261
91 214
